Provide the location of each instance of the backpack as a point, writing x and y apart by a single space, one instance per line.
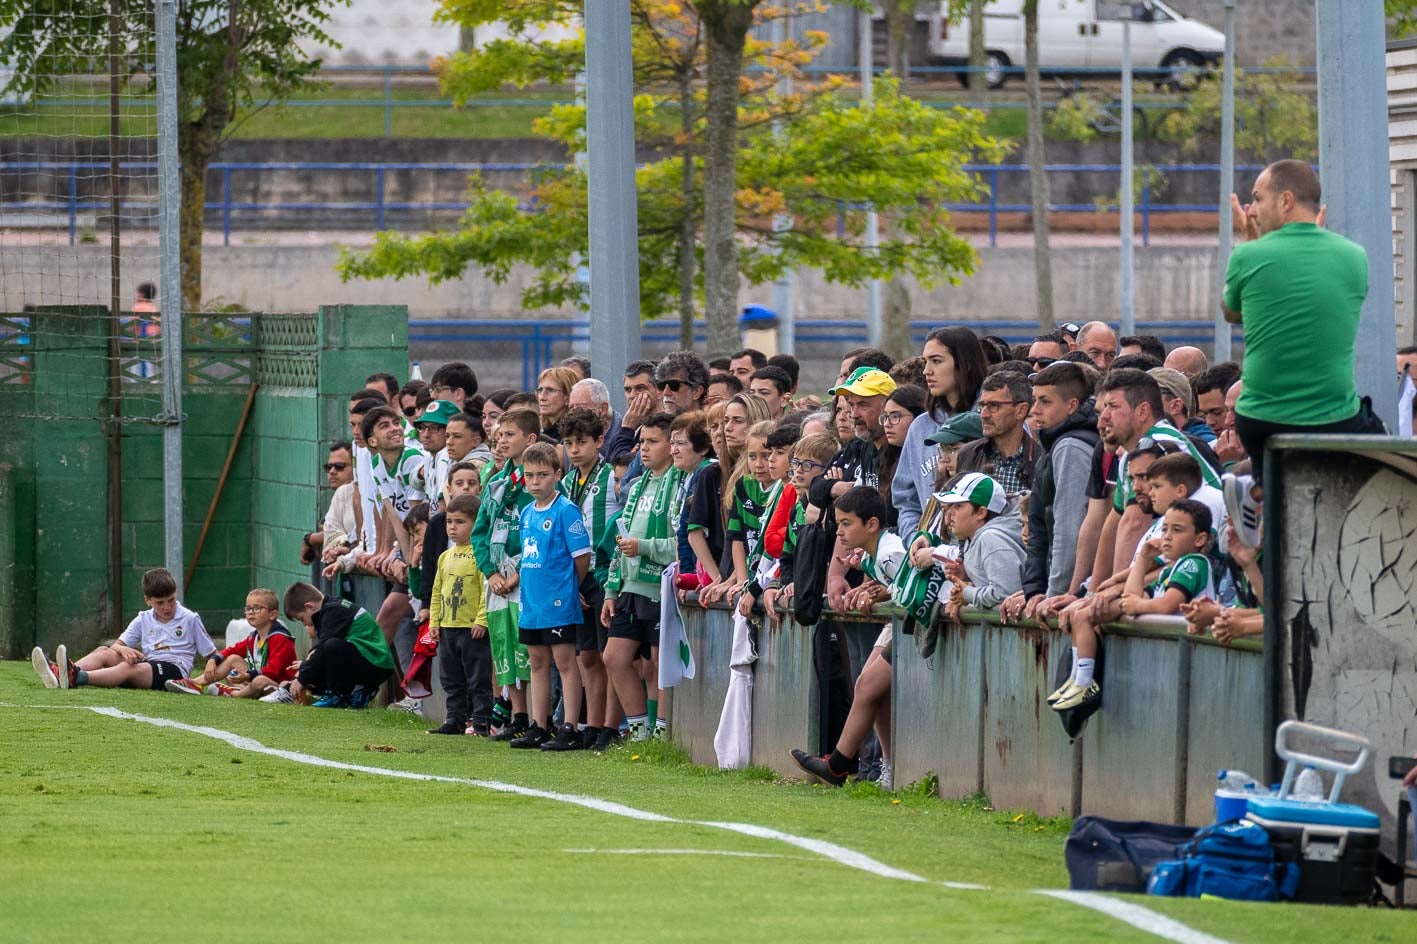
1228 860
815 542
1109 856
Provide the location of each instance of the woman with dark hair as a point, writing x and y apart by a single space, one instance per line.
996 349
955 366
902 407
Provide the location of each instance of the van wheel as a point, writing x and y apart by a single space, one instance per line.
1184 67
994 76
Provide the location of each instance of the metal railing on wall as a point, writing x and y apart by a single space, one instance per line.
376 210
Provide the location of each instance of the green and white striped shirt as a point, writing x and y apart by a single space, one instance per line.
595 496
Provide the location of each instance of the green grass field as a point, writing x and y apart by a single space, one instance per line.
114 829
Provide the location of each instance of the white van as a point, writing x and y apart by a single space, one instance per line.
1082 35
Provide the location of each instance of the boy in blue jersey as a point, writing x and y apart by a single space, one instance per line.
556 556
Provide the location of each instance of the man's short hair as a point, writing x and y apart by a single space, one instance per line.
456 375
776 376
417 515
1067 378
388 381
372 418
1299 179
1149 344
784 434
473 421
1177 468
363 407
635 368
1137 387
500 396
581 422
1196 511
1409 349
158 583
909 371
664 421
542 455
1020 390
465 465
371 393
525 420
522 401
730 381
870 357
788 363
599 393
1052 337
1220 377
1017 367
755 357
298 596
819 447
412 389
864 502
465 505
1134 362
686 363
344 444
580 363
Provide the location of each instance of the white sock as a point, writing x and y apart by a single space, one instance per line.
1073 673
1083 674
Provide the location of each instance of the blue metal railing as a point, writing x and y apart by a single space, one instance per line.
536 338
381 205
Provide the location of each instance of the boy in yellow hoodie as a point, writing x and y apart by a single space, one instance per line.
457 620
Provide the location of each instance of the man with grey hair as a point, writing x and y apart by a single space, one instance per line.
1099 342
1190 361
595 396
682 379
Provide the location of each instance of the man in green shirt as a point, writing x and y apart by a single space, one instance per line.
1297 288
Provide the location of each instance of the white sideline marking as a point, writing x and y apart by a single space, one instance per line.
1137 916
710 852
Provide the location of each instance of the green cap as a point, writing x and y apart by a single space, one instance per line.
979 490
438 411
962 427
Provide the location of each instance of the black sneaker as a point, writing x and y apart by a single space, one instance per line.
567 739
819 767
451 726
589 736
534 737
604 738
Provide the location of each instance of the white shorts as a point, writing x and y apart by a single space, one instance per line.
887 633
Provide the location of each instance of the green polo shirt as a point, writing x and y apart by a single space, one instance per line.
1298 290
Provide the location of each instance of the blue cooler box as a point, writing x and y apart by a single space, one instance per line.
1335 846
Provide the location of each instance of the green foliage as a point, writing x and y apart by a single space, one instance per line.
1273 118
1401 17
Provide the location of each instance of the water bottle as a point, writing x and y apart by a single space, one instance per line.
1308 785
1236 781
417 372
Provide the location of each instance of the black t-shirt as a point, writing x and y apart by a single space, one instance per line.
1103 477
703 509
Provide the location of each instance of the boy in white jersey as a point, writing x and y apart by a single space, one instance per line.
159 646
366 506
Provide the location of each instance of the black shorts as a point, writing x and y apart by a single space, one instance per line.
164 672
591 635
555 636
632 621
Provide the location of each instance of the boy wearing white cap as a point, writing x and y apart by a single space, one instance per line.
991 543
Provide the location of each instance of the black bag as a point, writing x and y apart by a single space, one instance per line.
815 543
1108 856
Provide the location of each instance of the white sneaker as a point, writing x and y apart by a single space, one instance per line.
413 706
887 779
279 696
1242 508
61 659
42 668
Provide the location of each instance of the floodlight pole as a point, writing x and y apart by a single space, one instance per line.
873 232
1222 347
783 289
170 288
614 224
1128 319
1354 166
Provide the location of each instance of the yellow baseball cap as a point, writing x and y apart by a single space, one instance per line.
866 382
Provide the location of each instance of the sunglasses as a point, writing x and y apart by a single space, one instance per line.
1043 361
411 411
675 385
336 466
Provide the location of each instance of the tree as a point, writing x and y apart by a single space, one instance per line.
809 170
231 54
1037 169
1273 117
977 79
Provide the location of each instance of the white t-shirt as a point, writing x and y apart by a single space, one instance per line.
435 478
364 462
178 641
401 486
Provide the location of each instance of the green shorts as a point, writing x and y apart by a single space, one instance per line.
510 661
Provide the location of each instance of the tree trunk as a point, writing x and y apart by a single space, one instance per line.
895 317
900 20
195 155
687 228
1037 174
977 83
726 25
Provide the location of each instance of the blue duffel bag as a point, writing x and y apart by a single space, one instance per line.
1228 860
1106 855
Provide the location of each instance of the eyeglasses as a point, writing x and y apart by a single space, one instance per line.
892 418
808 464
674 385
547 391
425 427
254 609
438 391
1043 361
336 466
987 407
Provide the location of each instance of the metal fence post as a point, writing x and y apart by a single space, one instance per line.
226 206
170 290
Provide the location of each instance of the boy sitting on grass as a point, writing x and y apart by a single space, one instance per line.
256 664
159 646
860 526
350 658
556 555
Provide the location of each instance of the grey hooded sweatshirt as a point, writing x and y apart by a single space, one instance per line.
915 472
993 561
